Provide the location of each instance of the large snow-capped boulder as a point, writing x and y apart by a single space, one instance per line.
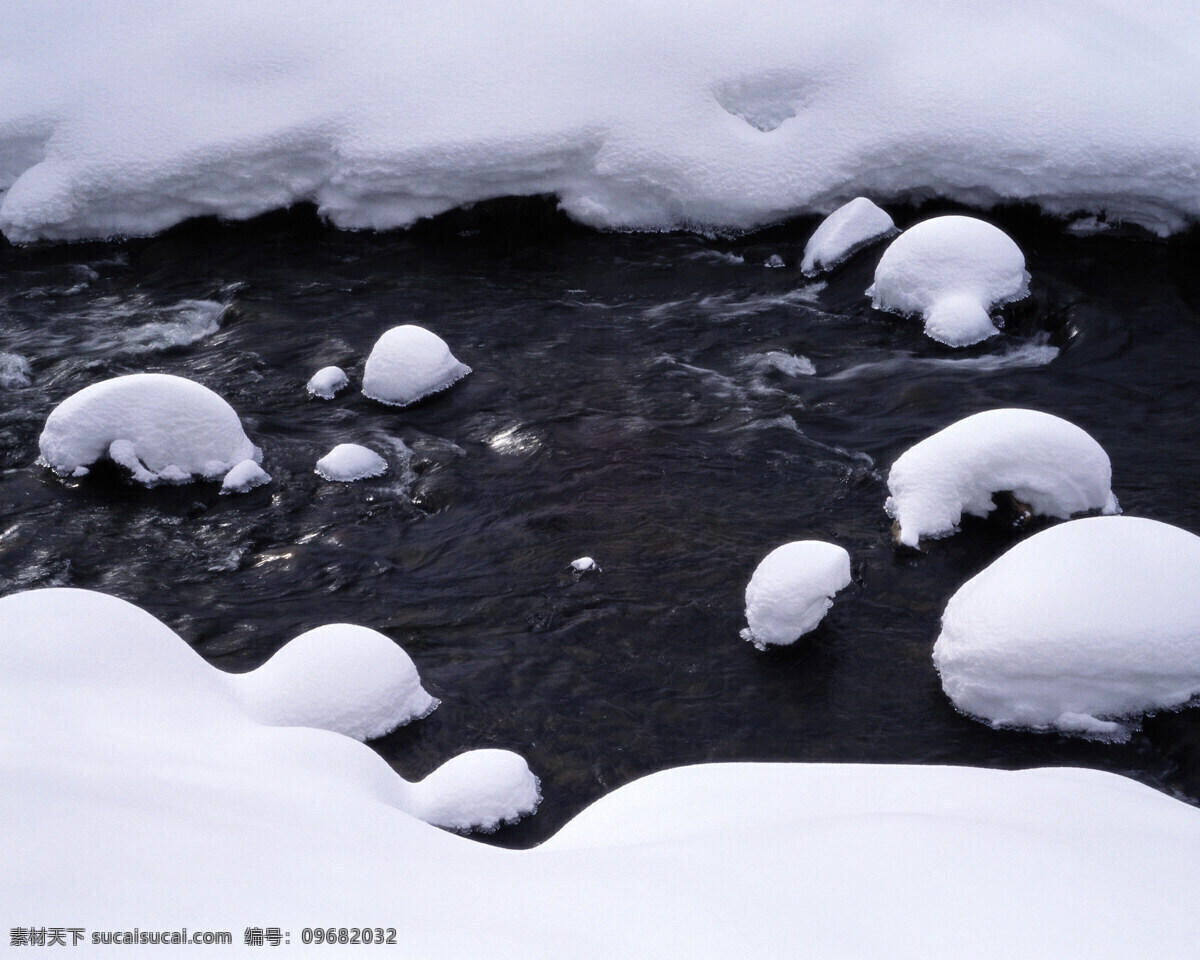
348 462
792 589
340 677
850 228
408 363
951 271
160 427
1047 463
1077 629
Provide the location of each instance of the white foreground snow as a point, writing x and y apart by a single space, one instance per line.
160 427
340 677
350 461
244 477
792 589
843 233
636 115
122 748
408 363
1077 627
951 271
1047 463
326 382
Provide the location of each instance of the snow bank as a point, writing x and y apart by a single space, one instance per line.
1077 628
326 382
220 107
1047 463
121 745
843 233
408 363
339 677
160 427
792 589
350 461
951 271
244 477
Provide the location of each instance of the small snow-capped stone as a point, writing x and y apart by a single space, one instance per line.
15 371
341 677
1078 628
243 477
791 590
477 790
326 382
850 228
350 461
774 262
584 564
1047 463
409 363
160 427
951 271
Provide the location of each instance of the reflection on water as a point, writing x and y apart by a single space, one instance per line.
664 404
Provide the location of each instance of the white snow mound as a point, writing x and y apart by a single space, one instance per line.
584 565
951 271
408 363
244 477
229 108
349 679
160 427
850 228
792 589
349 461
1047 463
477 790
326 382
1077 628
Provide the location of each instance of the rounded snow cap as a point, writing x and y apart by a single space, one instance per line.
843 233
350 461
326 382
408 363
1047 463
951 271
1077 628
160 427
340 677
791 590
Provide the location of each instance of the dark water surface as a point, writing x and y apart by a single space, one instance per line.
634 400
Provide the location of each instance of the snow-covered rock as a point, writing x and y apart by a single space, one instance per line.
351 461
340 677
843 233
234 108
477 790
121 744
951 271
1047 463
1077 629
792 589
326 382
160 427
408 363
15 371
584 565
244 477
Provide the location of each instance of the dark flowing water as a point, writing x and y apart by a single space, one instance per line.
638 399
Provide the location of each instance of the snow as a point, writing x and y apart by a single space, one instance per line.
792 589
350 461
636 116
244 477
122 748
843 233
1079 629
408 363
1047 463
340 677
951 271
160 427
584 565
326 382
